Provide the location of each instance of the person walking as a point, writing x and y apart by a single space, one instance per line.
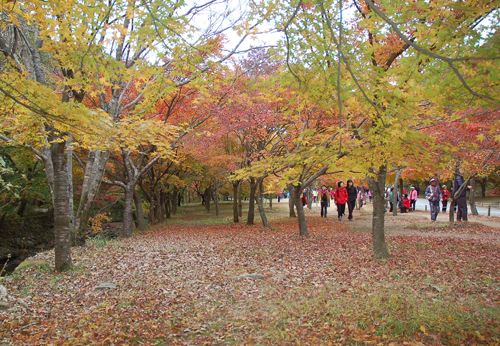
433 195
315 196
462 199
391 194
361 197
445 197
351 197
413 198
340 196
324 196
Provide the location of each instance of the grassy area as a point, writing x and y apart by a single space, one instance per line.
180 284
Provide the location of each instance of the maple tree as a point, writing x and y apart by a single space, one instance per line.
103 67
389 54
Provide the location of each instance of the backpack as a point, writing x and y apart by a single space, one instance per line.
324 197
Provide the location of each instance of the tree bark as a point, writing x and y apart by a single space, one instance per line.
62 233
152 207
167 204
395 193
164 210
236 184
378 221
71 211
300 210
141 223
482 183
22 206
260 203
251 203
128 222
240 204
216 197
309 199
452 210
291 200
175 199
94 172
472 198
206 198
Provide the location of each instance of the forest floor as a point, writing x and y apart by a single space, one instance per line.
203 280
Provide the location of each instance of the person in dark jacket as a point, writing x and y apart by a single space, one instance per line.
324 196
340 197
462 199
351 197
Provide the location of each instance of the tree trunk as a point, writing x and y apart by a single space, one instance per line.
175 199
300 210
206 198
251 203
71 209
482 183
62 232
152 206
162 209
22 206
167 204
216 197
309 199
260 203
378 232
94 171
394 193
291 200
141 223
240 204
271 201
128 222
452 209
401 187
472 198
236 184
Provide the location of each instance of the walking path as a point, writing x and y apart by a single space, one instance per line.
422 203
398 225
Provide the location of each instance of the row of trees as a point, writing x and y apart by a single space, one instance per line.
143 98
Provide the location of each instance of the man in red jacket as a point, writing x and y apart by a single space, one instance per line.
340 195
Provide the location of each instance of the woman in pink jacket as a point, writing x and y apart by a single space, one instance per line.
413 197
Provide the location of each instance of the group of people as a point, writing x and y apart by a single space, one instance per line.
435 195
349 195
342 196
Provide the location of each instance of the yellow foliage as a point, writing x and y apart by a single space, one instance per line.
97 222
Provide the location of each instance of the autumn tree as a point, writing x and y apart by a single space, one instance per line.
99 53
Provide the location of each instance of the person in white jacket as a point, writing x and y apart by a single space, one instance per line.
433 195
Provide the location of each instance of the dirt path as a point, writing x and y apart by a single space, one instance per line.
413 223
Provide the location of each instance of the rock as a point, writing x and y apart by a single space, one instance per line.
4 306
249 276
3 293
106 286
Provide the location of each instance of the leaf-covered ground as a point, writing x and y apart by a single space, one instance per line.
179 285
